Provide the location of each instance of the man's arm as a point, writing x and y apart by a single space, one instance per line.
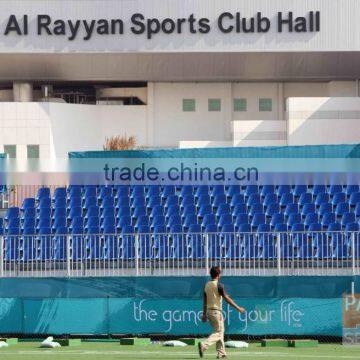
203 318
229 300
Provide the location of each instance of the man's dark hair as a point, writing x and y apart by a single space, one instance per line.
215 271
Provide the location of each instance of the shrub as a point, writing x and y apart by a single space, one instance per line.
120 143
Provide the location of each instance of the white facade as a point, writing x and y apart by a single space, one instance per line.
294 119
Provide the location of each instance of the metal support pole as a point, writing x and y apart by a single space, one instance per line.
136 255
206 253
68 268
353 260
1 256
278 247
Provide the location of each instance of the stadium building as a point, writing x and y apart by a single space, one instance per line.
269 87
177 74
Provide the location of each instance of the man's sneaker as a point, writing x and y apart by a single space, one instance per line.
201 350
221 357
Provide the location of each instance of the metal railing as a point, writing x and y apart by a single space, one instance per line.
256 254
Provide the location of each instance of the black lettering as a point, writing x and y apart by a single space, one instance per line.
74 28
180 22
43 22
168 26
221 19
192 21
300 24
263 23
89 28
117 24
12 25
153 174
204 27
288 21
139 27
251 27
153 27
59 27
103 27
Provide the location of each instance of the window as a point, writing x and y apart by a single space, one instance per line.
214 105
265 104
240 105
188 105
33 151
10 150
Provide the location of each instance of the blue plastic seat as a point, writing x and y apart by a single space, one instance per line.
258 219
201 190
45 249
186 200
277 218
251 189
60 192
318 189
186 190
175 210
190 219
218 200
357 210
75 212
239 209
121 191
44 213
328 219
152 191
325 208
13 223
107 225
311 218
28 203
124 211
105 191
139 211
137 191
241 219
123 221
43 192
270 199
171 200
338 198
335 189
60 241
267 190
222 209
203 199
157 221
291 209
28 213
75 202
190 209
294 219
108 212
283 189
281 227
232 190
256 209
138 201
45 203
92 222
253 199
28 223
237 199
59 222
77 223
92 211
174 220
308 209
156 211
286 198
90 191
217 190
354 199
90 201
352 227
153 201
204 210
305 198
142 221
322 198
107 202
93 244
122 201
208 219
299 190
168 190
342 208
348 218
225 219
27 248
272 209
59 212
75 191
349 189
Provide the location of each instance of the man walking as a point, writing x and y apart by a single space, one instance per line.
214 292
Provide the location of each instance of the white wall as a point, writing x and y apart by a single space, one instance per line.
60 128
313 121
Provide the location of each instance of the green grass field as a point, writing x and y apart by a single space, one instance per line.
112 351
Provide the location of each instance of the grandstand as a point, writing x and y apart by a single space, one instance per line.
262 99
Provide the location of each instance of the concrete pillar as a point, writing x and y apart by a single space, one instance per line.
23 92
